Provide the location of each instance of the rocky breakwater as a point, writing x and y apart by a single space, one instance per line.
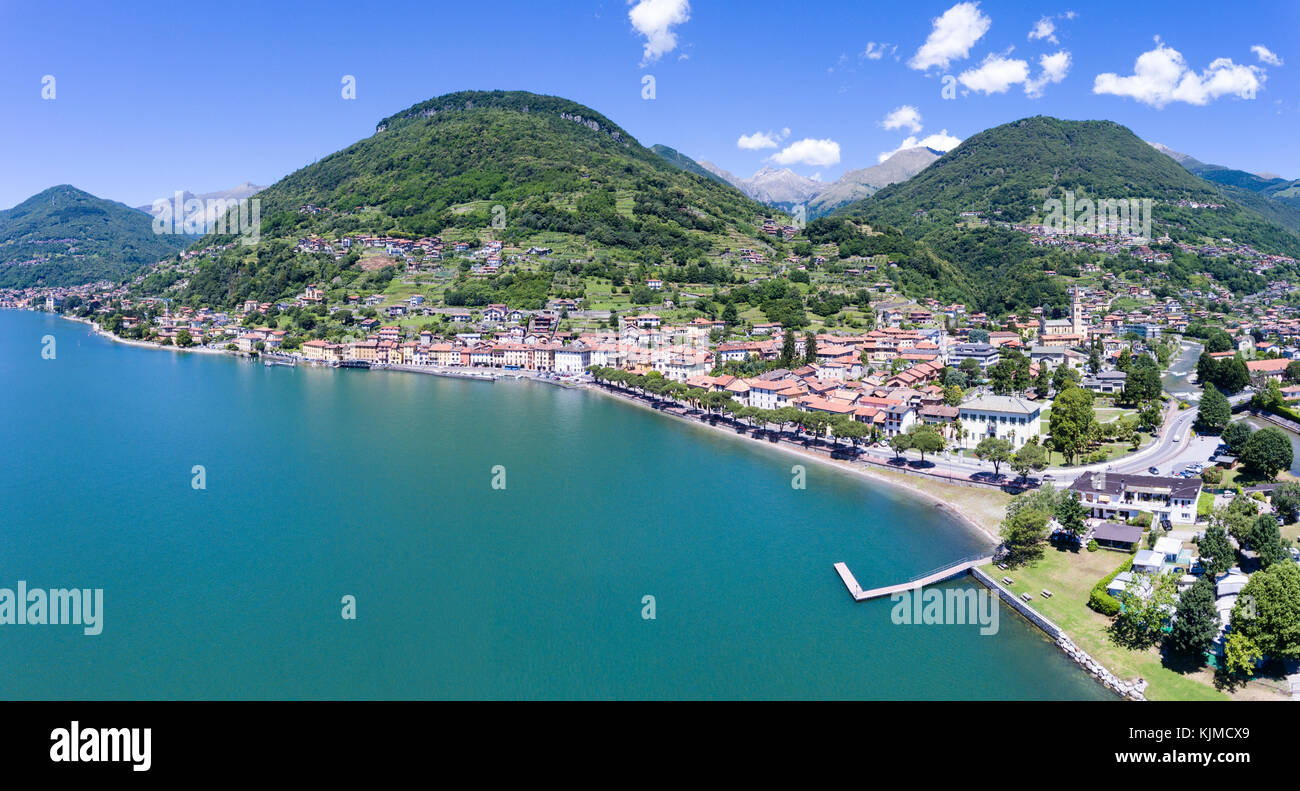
1132 690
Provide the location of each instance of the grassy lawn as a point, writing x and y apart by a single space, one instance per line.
1070 577
1114 452
1205 504
1240 475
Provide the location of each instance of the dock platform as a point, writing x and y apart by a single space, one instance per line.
962 566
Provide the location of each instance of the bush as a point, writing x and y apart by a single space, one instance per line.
1092 545
1212 475
1142 520
1101 601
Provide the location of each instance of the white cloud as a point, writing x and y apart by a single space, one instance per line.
995 75
1266 55
759 140
1052 69
875 51
655 20
1045 28
905 116
952 36
756 141
817 153
939 142
1161 76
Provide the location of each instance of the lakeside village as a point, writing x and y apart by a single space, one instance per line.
1206 569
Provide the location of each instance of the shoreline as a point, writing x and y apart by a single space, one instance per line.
987 531
97 330
953 509
949 506
912 489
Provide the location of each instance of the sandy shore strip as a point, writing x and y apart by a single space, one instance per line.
145 344
952 499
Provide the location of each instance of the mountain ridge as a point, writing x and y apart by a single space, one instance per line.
65 236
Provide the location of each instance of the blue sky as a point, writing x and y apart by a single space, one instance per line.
147 102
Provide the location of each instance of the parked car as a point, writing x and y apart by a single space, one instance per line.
1153 470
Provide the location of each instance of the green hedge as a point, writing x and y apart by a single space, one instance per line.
1287 412
1099 599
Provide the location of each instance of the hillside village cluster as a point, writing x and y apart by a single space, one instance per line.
889 377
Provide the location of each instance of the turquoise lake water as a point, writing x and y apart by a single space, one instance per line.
324 483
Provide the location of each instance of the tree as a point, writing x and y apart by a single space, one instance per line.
849 429
1094 360
1071 513
1232 375
1030 458
952 395
1140 621
1002 377
1215 411
1149 416
994 450
1196 622
1270 398
1217 554
788 348
1064 377
1023 533
1293 371
1267 452
1286 500
900 444
1267 614
1218 341
972 370
1235 435
926 440
1240 654
183 339
1043 384
810 348
730 316
978 335
1266 540
1143 381
1207 369
1072 421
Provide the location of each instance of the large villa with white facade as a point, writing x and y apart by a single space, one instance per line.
1005 417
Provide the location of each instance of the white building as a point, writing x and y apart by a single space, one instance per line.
572 359
1005 417
1122 496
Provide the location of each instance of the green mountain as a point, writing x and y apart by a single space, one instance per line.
682 162
1275 190
506 165
1007 172
1275 198
64 236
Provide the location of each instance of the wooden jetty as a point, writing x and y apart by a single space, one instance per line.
962 566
